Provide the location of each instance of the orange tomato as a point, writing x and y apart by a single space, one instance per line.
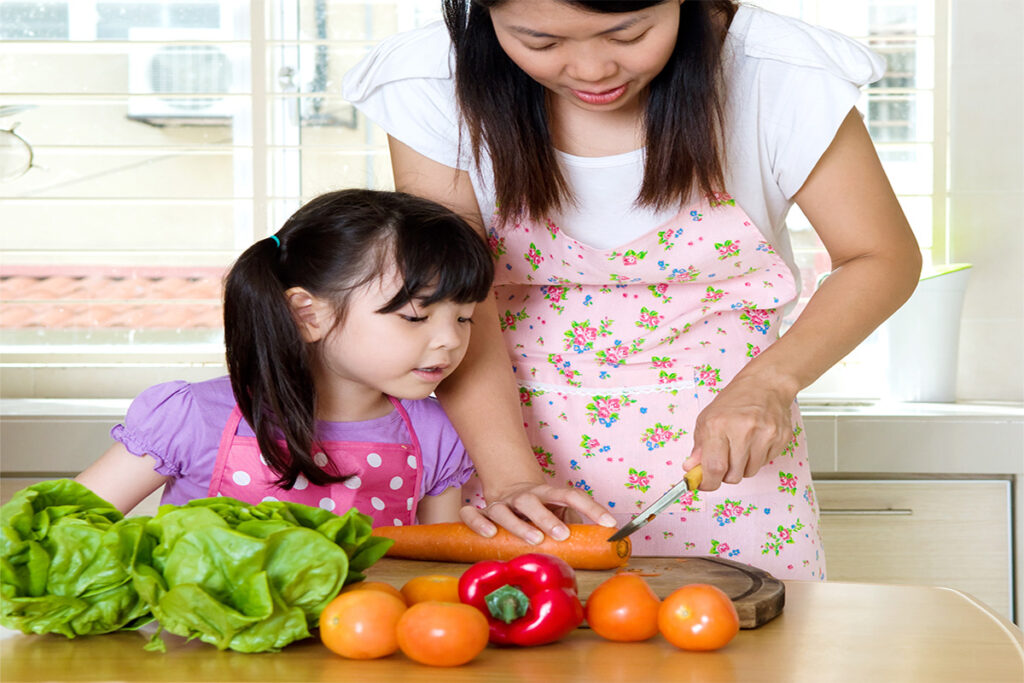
374 586
436 587
623 608
698 616
361 624
442 633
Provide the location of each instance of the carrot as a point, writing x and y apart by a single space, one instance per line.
586 548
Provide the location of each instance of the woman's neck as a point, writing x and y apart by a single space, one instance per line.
586 133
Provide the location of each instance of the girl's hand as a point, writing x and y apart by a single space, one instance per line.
520 504
746 425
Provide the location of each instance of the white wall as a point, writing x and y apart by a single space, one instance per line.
986 200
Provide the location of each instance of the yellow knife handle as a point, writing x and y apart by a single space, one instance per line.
694 477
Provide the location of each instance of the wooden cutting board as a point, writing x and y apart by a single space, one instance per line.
758 596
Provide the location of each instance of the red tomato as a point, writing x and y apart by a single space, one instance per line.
442 633
623 608
698 616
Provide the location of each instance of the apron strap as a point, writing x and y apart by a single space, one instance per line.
227 437
417 453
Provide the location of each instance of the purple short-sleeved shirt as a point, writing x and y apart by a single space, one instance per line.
181 423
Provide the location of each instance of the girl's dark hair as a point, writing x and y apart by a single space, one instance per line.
330 247
505 113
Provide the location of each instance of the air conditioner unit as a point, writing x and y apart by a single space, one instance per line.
183 81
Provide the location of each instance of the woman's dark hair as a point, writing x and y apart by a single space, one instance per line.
330 247
505 112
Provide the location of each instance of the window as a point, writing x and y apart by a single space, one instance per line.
33 21
903 111
165 136
162 137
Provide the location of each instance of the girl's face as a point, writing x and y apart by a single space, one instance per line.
404 354
595 61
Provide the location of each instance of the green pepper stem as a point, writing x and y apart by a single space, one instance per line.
507 603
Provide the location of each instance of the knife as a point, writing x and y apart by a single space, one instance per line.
690 481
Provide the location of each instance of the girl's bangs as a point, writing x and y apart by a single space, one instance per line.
448 262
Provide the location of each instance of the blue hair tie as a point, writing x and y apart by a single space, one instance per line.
277 240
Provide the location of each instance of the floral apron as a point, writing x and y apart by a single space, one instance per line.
617 351
385 484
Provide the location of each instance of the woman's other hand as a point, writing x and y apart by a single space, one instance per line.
530 511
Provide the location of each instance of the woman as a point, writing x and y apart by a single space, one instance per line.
632 164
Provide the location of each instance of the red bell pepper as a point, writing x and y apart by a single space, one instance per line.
529 600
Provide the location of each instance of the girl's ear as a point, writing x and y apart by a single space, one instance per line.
309 313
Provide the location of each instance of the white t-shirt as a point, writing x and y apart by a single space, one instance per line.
788 86
604 214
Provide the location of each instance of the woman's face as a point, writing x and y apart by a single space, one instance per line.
596 61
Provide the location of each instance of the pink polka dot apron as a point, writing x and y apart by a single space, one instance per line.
385 484
616 352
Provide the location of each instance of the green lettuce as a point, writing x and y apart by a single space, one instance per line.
251 578
64 554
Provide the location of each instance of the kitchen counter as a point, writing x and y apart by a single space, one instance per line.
827 632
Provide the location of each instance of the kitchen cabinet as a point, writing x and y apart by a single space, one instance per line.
954 533
959 469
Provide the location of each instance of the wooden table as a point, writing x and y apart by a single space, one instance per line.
827 632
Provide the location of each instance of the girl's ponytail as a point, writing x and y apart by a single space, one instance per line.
269 364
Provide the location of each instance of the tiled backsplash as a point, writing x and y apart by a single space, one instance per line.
926 438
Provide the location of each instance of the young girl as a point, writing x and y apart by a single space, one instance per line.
633 163
337 330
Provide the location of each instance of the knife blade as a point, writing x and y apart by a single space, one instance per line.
690 481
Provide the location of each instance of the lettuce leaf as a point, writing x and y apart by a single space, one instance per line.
64 553
251 578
